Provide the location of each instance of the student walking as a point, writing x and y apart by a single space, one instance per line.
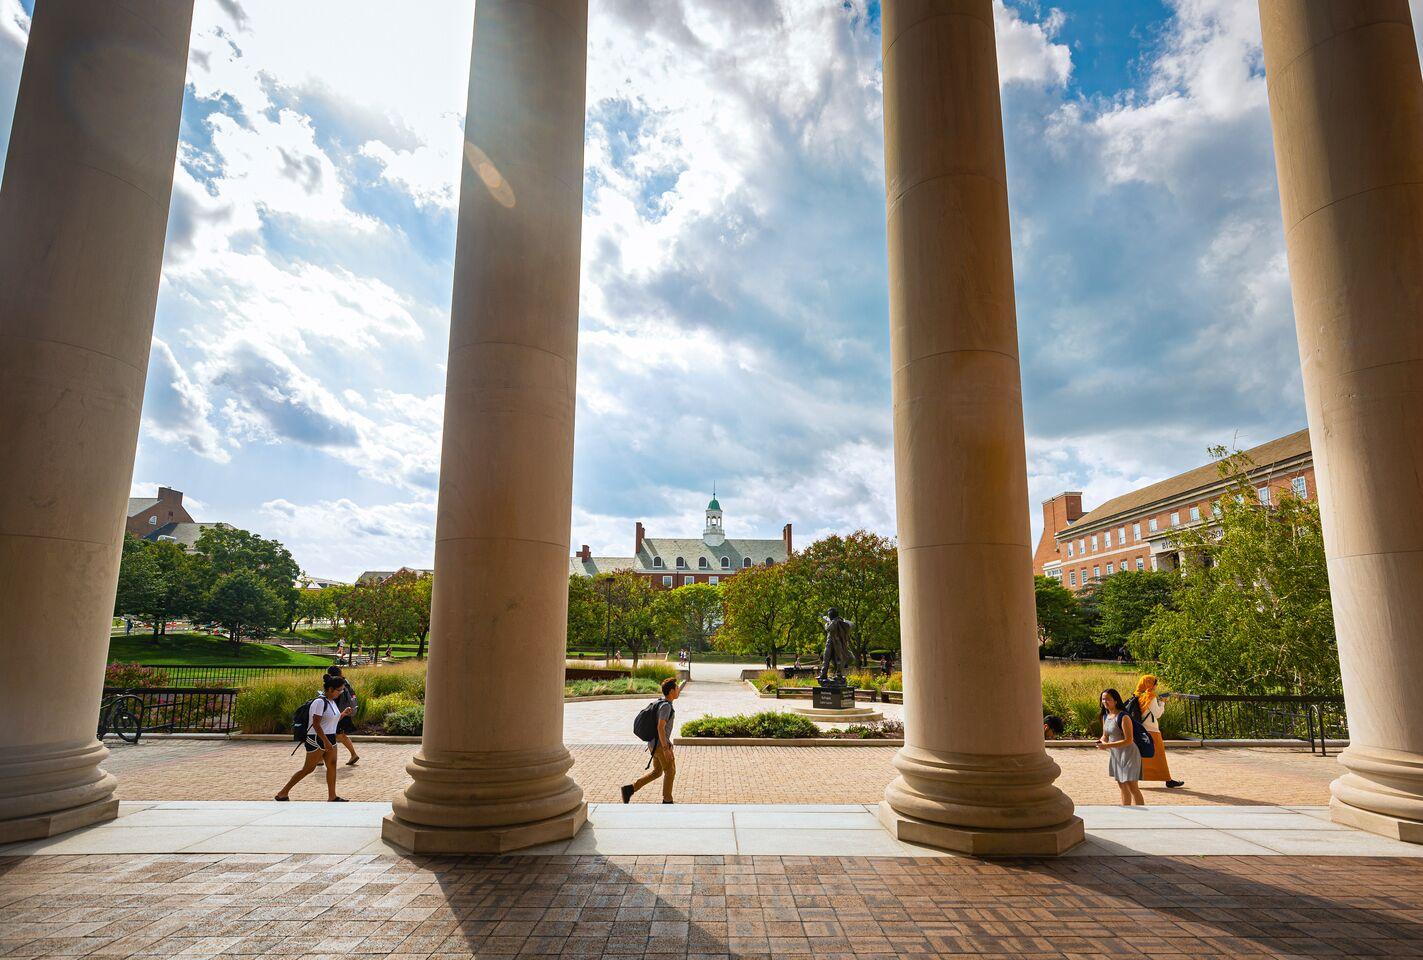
1124 762
346 725
322 715
658 716
1149 707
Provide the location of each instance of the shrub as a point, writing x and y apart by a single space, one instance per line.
406 678
773 724
406 722
134 675
604 688
657 670
376 709
768 680
267 705
875 730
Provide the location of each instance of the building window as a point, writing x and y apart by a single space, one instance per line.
1109 569
1121 536
1069 548
1140 563
1195 514
1096 573
702 564
713 580
1136 531
1072 577
686 580
726 563
1094 541
746 562
667 580
681 564
1215 509
770 562
153 520
657 563
1081 546
1151 524
1264 494
1300 489
1175 519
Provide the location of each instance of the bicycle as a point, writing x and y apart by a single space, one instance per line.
122 714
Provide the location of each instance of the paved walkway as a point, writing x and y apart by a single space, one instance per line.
696 829
707 907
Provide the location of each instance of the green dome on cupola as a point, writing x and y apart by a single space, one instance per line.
713 505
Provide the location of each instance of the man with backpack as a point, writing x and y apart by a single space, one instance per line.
653 726
314 727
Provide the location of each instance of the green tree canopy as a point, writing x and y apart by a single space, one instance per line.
226 549
1060 627
627 608
1126 600
1253 613
157 583
858 575
761 613
244 606
688 616
586 614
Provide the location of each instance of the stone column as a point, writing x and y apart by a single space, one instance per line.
973 774
1346 104
83 211
492 773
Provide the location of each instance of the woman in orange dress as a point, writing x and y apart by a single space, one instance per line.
1150 707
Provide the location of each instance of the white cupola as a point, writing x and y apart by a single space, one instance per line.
713 535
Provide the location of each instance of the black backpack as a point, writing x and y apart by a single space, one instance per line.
1145 744
301 720
644 725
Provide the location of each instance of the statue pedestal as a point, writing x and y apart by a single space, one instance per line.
832 698
835 703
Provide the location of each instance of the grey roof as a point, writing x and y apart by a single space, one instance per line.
693 550
137 505
593 566
184 534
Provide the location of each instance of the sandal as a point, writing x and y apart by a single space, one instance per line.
352 762
282 799
338 800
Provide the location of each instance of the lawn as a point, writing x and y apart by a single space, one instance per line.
197 648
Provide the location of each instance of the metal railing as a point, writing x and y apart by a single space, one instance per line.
1227 717
182 709
195 674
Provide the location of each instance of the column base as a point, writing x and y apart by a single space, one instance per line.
1409 831
1382 792
52 824
978 842
419 838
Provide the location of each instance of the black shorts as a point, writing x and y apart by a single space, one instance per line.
345 725
313 744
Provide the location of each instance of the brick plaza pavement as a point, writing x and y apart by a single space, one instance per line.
158 769
707 907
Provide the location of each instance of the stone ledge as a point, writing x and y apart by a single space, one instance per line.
420 838
786 742
1032 842
44 825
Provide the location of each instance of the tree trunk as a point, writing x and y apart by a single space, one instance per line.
420 653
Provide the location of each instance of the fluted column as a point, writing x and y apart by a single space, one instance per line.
973 774
492 772
1346 104
83 211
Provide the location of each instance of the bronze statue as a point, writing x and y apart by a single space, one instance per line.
836 656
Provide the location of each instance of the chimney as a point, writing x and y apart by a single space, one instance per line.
585 553
1058 513
786 536
168 493
641 533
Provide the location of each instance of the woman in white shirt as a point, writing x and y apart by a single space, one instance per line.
1154 768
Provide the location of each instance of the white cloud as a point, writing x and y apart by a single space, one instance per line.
341 538
177 410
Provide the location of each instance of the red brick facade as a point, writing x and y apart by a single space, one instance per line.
1135 531
150 516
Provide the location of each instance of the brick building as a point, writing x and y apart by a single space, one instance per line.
147 514
1137 531
676 562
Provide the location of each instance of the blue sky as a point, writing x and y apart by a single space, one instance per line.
733 307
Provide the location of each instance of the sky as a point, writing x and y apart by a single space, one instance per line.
733 306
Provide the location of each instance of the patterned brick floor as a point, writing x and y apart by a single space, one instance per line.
709 908
156 769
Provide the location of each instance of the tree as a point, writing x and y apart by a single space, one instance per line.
156 583
1253 613
858 575
244 606
761 613
585 614
1126 600
1060 628
382 613
228 549
422 591
628 612
313 605
688 616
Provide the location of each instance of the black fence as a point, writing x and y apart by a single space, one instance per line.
182 709
1219 717
202 675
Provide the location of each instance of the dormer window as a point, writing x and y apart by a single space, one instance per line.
153 521
746 563
657 563
702 563
726 563
769 562
681 564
